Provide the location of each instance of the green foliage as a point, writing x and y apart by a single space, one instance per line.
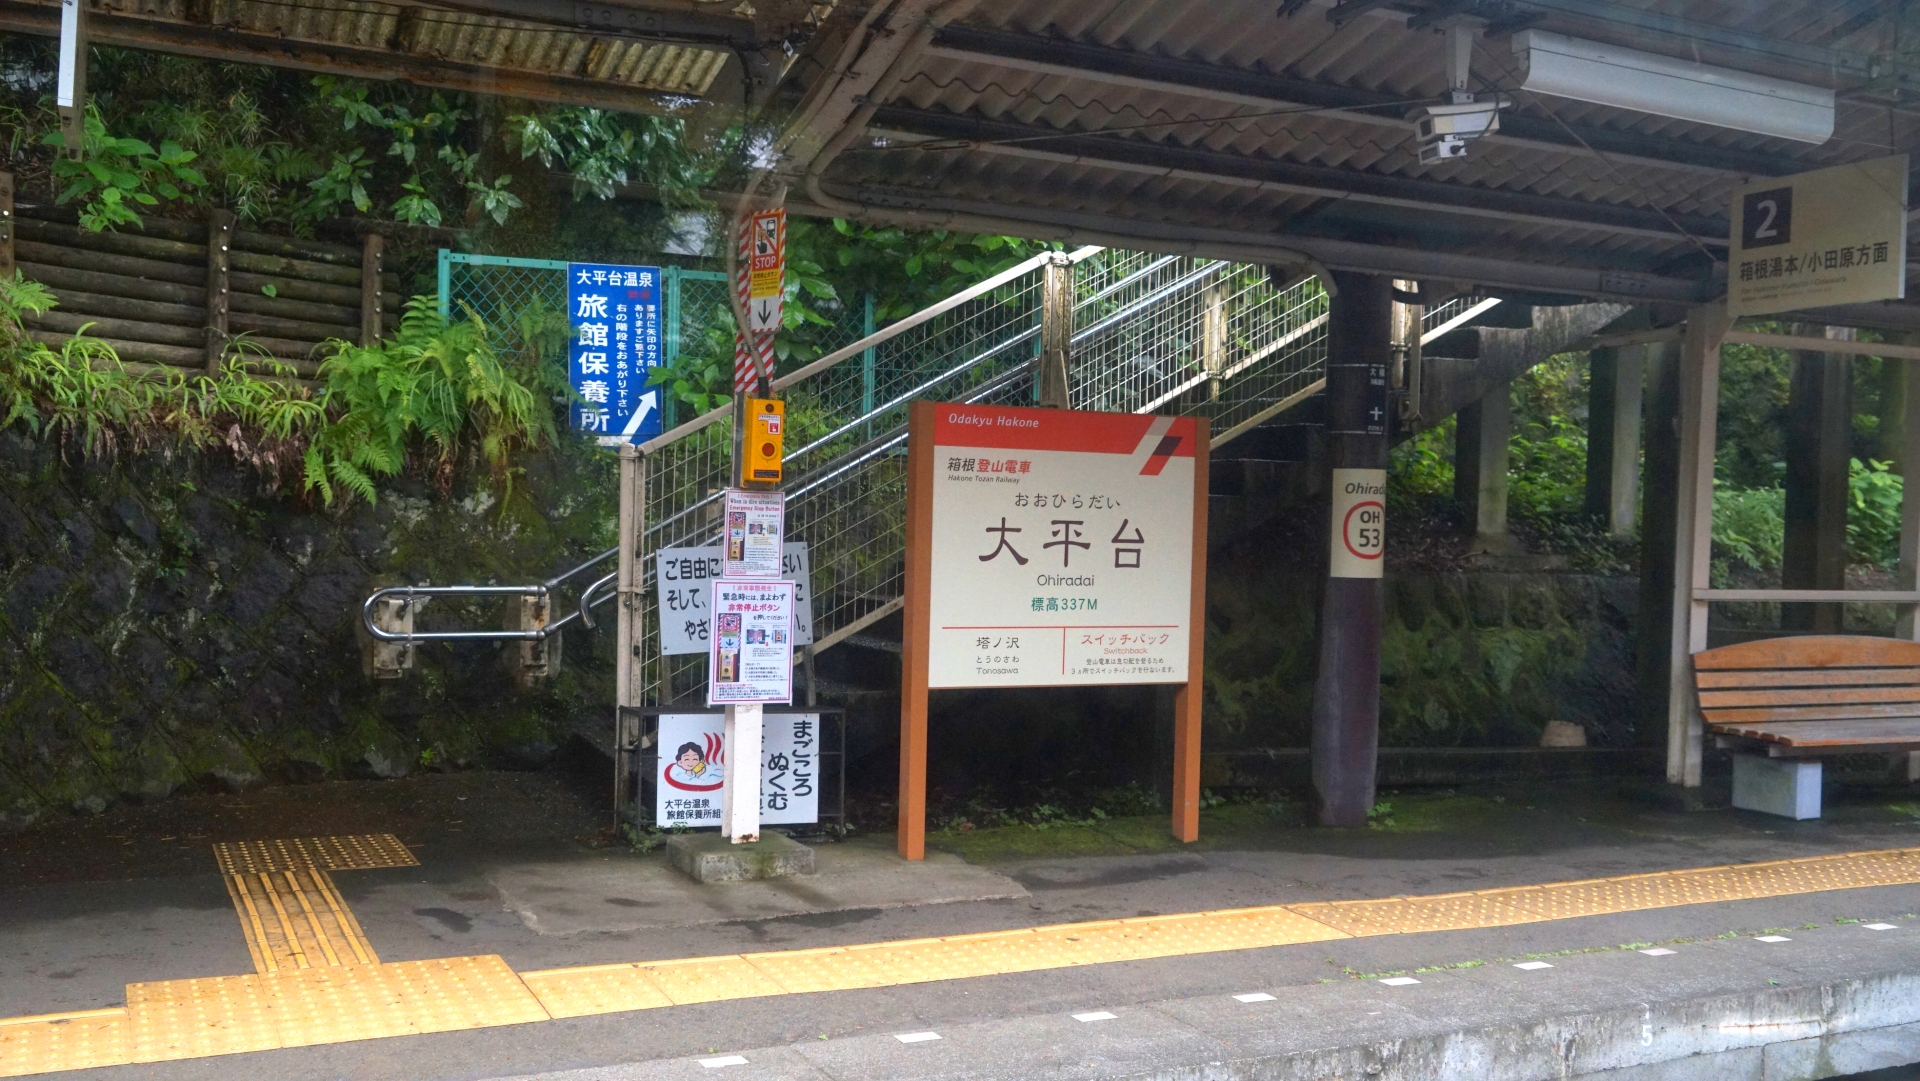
1749 526
1873 513
81 394
903 271
438 385
602 151
118 174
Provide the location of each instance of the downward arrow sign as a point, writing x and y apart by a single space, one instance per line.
766 312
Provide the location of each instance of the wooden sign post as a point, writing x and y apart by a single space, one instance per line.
1048 548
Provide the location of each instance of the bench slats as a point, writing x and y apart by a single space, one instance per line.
1809 677
1827 733
1863 711
1811 651
1816 696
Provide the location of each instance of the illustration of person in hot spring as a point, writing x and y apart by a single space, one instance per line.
690 769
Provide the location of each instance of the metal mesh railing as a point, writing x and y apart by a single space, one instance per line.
1152 333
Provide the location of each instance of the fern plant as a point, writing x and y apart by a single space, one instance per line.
439 385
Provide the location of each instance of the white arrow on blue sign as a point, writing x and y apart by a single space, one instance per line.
616 340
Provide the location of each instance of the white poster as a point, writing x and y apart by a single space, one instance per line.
685 576
1062 547
693 765
752 650
1359 535
750 545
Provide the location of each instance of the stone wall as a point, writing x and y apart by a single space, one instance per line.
1468 660
170 622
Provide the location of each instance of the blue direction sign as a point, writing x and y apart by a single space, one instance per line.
615 311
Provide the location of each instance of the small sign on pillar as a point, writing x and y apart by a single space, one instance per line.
750 657
1359 523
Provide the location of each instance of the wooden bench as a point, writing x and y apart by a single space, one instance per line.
1796 699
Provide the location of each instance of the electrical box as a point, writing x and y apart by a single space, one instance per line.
765 441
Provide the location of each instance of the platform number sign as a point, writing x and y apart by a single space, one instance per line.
614 345
1814 240
1766 218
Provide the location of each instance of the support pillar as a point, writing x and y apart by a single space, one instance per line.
1693 532
1056 333
1613 436
629 631
1480 467
1653 618
1819 424
1346 693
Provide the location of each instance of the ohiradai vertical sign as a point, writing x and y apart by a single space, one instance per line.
1062 547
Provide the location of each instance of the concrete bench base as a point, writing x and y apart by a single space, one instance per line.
1788 787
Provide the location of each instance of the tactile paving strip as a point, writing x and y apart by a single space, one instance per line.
69 1041
1628 893
293 1008
297 919
357 852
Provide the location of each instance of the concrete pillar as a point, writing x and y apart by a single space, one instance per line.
1480 467
1346 692
1653 615
1613 436
1819 427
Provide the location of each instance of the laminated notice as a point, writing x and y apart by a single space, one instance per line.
1359 523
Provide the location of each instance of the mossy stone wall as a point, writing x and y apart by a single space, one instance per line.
170 621
1477 659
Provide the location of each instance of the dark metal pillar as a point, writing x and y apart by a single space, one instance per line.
1346 693
1659 502
1819 422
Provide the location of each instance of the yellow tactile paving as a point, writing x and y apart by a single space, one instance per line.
320 981
357 852
1627 893
581 992
297 919
297 1007
63 1041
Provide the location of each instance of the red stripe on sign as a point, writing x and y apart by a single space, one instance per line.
1011 428
1169 444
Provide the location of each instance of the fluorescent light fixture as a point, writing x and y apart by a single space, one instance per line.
1628 79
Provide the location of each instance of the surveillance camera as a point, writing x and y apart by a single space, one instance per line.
1446 130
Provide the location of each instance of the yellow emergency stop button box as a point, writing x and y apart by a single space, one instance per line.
765 441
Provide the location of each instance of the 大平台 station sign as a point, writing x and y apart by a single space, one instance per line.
1062 547
1832 236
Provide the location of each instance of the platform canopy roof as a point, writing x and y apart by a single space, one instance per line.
656 56
1277 130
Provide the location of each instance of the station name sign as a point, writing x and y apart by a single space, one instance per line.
1062 547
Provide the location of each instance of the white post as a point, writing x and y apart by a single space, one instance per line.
740 785
1909 564
629 630
70 84
1693 534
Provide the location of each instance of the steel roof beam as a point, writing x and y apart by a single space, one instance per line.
915 209
220 43
1139 155
1239 86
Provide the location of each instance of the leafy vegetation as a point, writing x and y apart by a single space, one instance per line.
434 395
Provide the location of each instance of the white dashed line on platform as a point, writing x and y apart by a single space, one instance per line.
916 1037
1095 1015
1658 951
723 1060
1773 938
1399 981
1882 927
1257 996
1532 966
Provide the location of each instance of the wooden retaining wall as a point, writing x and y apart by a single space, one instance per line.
164 296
